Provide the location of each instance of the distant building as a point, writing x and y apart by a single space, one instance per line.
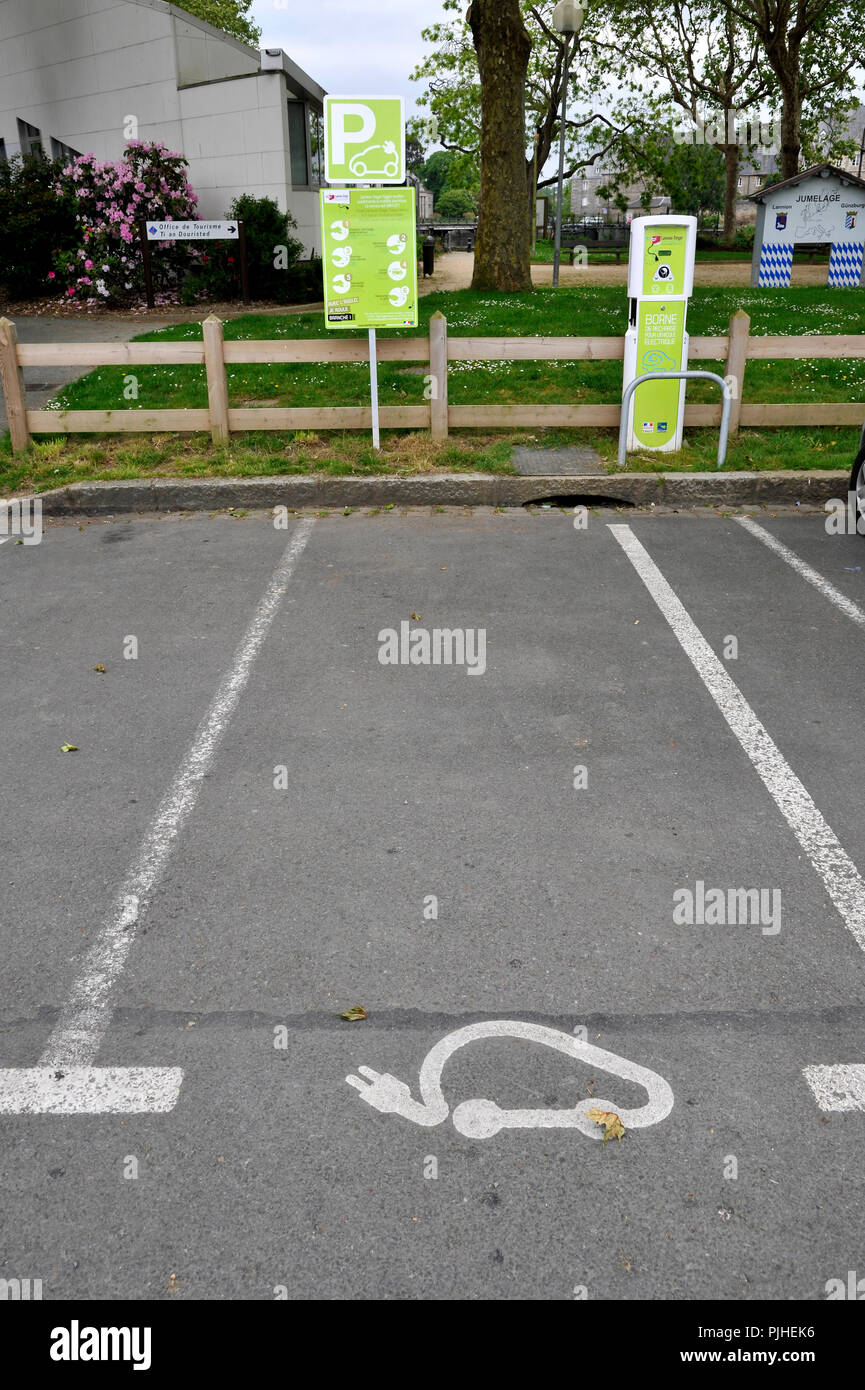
588 202
85 76
423 198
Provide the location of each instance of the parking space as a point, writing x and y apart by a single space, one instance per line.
509 861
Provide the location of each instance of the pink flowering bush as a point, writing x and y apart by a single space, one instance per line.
110 199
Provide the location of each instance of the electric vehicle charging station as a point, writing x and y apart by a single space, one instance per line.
660 283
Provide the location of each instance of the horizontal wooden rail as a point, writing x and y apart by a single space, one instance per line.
436 414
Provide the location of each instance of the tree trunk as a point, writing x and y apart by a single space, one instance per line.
503 246
731 174
791 117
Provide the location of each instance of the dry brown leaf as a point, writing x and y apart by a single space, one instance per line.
613 1127
354 1014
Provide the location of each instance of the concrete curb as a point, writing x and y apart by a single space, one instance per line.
445 490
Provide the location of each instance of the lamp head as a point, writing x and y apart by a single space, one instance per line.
568 17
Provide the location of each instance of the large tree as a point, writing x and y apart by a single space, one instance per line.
503 245
232 16
452 93
698 56
813 48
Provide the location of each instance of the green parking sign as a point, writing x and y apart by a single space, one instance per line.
364 140
370 257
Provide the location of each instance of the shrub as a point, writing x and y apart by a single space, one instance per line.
110 199
744 238
36 224
276 271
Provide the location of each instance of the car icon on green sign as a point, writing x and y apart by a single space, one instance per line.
364 168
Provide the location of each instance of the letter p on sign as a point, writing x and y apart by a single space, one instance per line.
364 140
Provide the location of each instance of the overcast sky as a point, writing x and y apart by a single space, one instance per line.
351 47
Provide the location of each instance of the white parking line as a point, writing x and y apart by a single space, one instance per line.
60 1081
847 606
836 1087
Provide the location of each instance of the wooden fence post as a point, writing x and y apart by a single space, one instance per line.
438 365
217 382
737 356
14 391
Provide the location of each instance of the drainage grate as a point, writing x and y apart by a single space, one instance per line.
570 500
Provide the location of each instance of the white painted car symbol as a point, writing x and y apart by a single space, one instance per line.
397 270
399 295
481 1119
342 283
339 231
396 243
341 256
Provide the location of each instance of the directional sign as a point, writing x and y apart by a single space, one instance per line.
364 140
369 251
192 231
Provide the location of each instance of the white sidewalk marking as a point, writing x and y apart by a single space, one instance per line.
481 1119
847 606
841 878
837 1088
75 1041
89 1090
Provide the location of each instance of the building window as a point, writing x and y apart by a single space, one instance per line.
739 183
29 138
2 151
305 145
585 185
297 144
61 151
315 122
585 202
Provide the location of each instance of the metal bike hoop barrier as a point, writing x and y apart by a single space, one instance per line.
677 376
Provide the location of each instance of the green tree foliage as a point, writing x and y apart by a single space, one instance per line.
456 202
231 16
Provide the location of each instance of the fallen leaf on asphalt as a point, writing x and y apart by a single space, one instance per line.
100 668
416 616
69 748
354 1014
613 1127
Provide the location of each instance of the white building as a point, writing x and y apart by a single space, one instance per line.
84 76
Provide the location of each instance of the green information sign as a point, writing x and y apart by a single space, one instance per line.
364 140
369 249
660 332
664 259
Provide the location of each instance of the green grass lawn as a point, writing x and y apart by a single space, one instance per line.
581 311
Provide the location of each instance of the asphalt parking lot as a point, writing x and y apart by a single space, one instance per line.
264 824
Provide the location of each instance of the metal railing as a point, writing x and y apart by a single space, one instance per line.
677 376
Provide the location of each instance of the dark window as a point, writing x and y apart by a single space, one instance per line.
2 151
297 143
61 151
29 138
316 146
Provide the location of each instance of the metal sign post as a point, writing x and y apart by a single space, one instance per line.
373 389
368 235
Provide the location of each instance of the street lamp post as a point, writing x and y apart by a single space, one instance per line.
568 19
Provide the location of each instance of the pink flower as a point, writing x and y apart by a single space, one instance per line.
88 265
51 275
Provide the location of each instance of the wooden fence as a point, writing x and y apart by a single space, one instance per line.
735 349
